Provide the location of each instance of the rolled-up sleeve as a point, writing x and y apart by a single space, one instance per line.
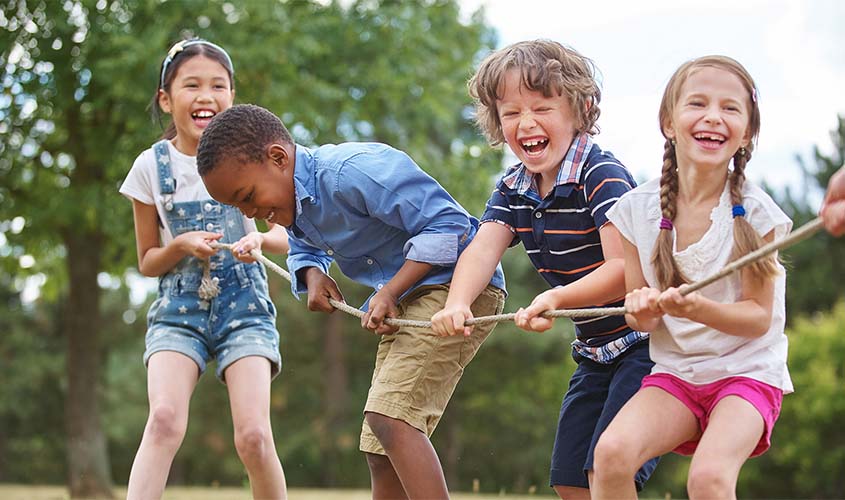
437 249
402 195
302 255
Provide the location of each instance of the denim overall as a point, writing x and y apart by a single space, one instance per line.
240 321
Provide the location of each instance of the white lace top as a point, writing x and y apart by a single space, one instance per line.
689 350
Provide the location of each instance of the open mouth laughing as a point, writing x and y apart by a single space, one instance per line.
709 140
534 146
202 117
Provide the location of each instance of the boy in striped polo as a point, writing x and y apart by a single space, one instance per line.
541 99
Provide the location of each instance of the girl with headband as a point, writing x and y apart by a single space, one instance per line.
211 305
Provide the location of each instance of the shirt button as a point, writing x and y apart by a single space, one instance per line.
370 261
330 252
209 227
538 215
208 207
168 206
380 286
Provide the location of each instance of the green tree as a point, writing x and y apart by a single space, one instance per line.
814 283
808 444
30 398
76 79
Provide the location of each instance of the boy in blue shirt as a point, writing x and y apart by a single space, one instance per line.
541 99
388 225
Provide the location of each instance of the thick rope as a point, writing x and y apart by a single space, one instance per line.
792 238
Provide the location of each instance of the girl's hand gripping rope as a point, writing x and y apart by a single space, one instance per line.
642 305
252 241
198 243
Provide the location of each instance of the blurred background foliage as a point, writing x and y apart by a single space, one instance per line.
77 77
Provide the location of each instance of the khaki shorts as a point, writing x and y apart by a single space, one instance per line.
416 372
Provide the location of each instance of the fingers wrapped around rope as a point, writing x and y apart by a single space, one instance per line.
792 238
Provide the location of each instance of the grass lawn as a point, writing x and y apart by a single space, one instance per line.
26 492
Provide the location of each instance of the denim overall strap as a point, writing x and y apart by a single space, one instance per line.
166 181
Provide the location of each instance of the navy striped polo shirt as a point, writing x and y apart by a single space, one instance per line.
560 232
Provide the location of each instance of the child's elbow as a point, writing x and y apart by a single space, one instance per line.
762 325
147 272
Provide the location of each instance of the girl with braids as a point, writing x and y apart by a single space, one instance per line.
720 354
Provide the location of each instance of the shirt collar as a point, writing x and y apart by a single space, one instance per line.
304 173
521 180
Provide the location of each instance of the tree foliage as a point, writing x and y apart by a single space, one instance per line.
816 266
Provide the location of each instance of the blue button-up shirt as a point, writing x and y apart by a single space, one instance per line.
369 208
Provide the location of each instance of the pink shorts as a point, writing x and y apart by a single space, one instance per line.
701 399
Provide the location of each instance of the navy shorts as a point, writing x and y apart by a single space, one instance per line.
596 393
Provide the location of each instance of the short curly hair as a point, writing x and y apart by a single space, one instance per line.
545 66
241 132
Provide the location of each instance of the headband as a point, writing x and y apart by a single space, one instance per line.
182 45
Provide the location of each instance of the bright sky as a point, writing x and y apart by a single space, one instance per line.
794 49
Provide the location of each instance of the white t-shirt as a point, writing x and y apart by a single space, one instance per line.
142 184
692 351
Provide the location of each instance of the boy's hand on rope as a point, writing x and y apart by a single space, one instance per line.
196 243
382 305
671 302
251 241
321 287
643 305
450 320
529 319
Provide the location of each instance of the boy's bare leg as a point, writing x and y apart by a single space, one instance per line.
412 457
572 493
383 478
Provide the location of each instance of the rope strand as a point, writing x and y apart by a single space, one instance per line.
792 238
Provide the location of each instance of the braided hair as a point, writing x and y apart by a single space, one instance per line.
746 239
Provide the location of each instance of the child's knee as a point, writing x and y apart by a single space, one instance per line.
252 442
166 424
613 455
710 480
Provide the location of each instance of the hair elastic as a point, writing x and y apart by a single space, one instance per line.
665 224
738 211
182 45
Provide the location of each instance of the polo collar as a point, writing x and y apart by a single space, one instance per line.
521 180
